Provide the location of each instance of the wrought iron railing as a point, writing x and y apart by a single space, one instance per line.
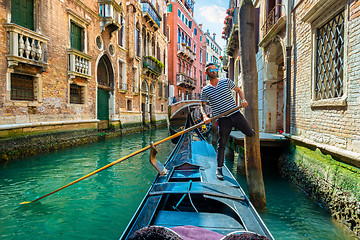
150 9
272 17
190 4
152 65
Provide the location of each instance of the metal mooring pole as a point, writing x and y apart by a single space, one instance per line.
250 79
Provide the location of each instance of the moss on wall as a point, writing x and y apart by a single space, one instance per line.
333 184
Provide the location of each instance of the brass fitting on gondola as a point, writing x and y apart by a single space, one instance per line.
157 165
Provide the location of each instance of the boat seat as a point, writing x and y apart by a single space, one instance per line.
217 222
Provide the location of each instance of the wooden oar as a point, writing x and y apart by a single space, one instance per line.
132 154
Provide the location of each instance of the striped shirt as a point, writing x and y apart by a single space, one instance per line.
219 97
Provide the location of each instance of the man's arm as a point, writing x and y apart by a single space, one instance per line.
241 93
202 110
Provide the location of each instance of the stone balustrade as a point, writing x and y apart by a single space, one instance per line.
79 64
26 46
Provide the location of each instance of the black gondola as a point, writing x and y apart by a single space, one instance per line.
190 194
204 132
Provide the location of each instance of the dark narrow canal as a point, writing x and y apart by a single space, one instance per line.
101 206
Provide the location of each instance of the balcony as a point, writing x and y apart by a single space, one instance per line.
185 51
233 37
109 12
189 4
26 46
79 64
152 66
150 14
273 25
185 81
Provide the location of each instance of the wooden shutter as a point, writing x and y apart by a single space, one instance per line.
22 13
76 37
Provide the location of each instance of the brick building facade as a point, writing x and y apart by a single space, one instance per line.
308 85
187 48
81 65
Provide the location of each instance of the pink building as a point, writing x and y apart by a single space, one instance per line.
186 52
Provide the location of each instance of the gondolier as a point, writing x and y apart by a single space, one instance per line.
218 94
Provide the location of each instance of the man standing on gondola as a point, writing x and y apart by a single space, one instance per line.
218 94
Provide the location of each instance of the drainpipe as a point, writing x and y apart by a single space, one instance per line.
288 69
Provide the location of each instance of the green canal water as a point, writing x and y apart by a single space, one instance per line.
101 206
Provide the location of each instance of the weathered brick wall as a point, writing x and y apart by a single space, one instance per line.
335 126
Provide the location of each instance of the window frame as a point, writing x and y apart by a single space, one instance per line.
81 22
83 93
323 18
37 78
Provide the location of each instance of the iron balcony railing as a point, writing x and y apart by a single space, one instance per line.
25 46
148 8
272 17
79 64
151 65
190 4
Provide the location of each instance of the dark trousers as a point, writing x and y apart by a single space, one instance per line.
236 120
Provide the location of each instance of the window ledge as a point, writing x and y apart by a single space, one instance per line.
336 102
319 8
122 48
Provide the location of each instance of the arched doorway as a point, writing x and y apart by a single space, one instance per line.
145 102
273 117
105 83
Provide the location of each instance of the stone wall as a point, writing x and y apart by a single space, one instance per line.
27 141
334 185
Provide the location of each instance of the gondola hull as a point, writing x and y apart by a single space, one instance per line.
190 194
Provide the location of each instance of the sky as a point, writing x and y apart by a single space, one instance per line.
212 13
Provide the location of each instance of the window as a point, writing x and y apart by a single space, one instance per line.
190 24
22 87
129 105
200 79
195 32
76 94
200 38
329 72
160 89
122 74
121 32
200 56
170 8
179 13
76 36
137 41
22 13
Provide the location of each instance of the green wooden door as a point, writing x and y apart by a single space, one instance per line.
75 37
103 104
22 13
